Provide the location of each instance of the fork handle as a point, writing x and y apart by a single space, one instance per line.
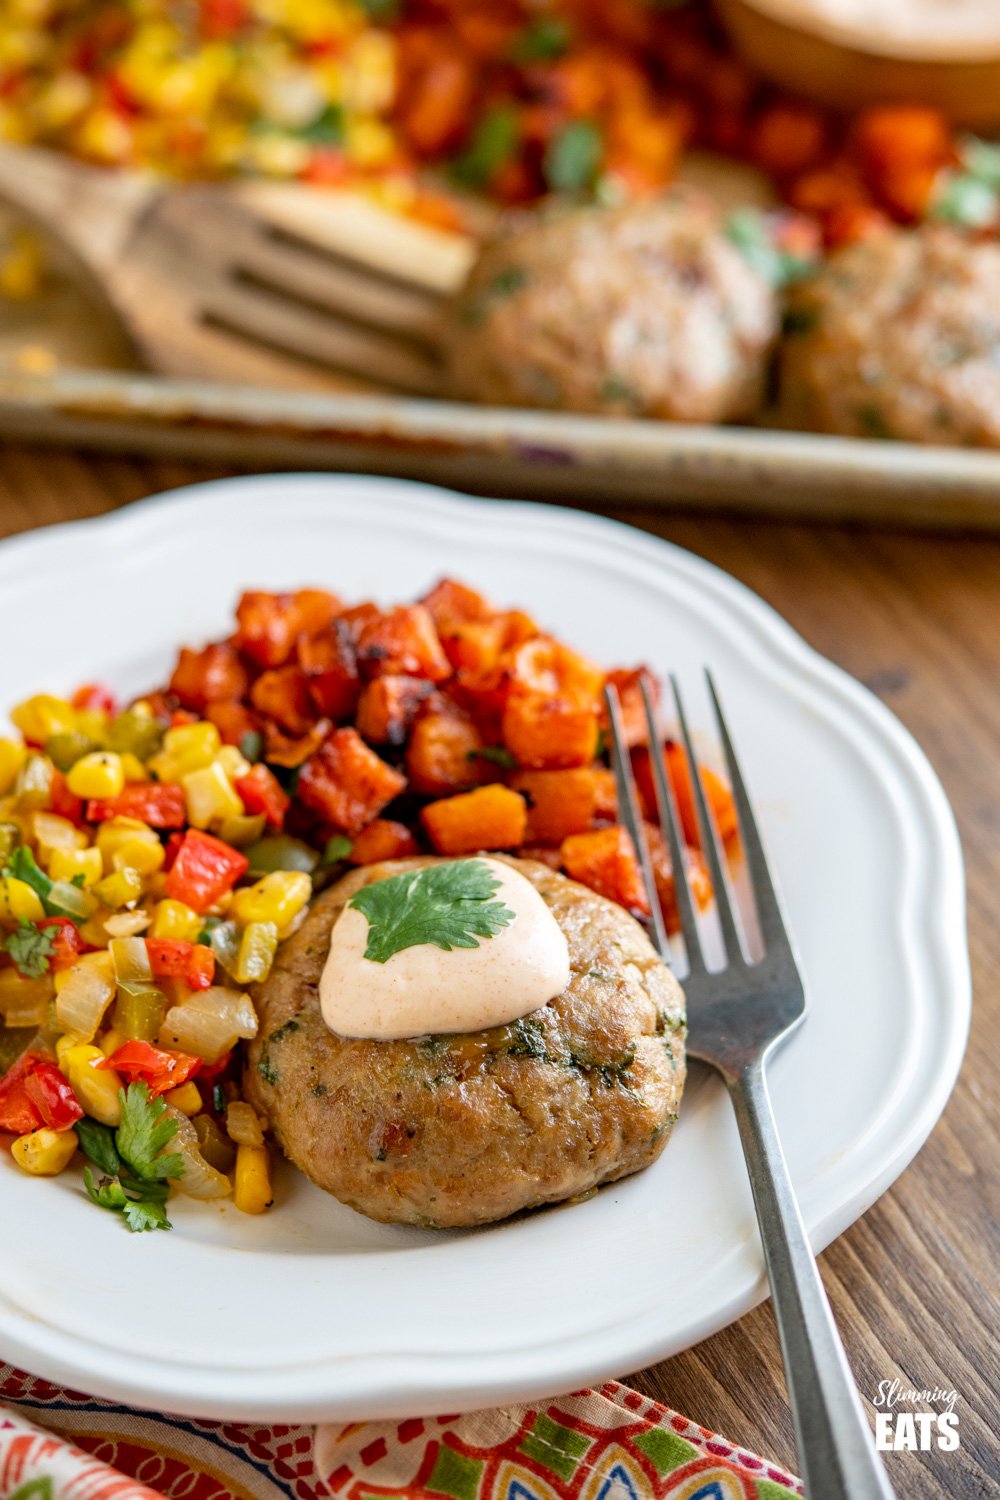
837 1456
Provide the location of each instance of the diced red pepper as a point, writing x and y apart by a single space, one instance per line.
175 958
62 801
67 944
261 792
211 1071
171 849
204 870
18 1112
34 1093
52 1095
158 803
93 695
141 1062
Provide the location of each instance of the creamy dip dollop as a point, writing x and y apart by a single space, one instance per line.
424 989
909 28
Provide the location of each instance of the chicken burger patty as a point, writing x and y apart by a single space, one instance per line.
898 336
447 1131
647 310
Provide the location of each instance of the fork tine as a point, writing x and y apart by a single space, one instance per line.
670 828
628 811
711 847
769 914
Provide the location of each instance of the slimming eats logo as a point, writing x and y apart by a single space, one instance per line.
936 1426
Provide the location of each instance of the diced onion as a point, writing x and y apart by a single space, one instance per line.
126 924
131 960
225 943
198 1180
209 1023
83 999
242 1124
70 898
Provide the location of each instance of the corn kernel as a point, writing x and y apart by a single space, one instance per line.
186 1098
98 774
65 864
210 796
93 723
96 1088
186 747
123 888
12 758
172 919
110 1041
44 1153
42 716
18 901
233 763
144 855
133 768
252 1182
258 946
277 898
117 831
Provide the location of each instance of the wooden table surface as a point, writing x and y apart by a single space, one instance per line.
913 1284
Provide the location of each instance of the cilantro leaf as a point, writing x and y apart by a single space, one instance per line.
144 1131
97 1142
493 143
448 906
22 866
31 948
497 755
337 848
574 156
108 1193
145 1214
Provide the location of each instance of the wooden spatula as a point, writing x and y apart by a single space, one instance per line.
255 282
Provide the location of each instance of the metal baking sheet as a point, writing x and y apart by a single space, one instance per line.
504 451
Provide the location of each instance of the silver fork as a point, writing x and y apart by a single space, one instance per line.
736 1019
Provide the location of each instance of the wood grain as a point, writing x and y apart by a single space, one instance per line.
913 1284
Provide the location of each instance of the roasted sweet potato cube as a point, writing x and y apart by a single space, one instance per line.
233 721
629 685
290 750
269 624
212 675
357 617
450 601
663 875
548 669
491 817
380 840
443 755
717 792
606 862
282 694
388 706
346 783
479 645
545 733
329 661
561 803
403 641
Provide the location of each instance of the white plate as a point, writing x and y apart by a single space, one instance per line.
312 1311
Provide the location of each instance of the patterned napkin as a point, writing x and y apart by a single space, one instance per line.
608 1444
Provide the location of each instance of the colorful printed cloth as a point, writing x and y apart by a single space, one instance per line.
610 1444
